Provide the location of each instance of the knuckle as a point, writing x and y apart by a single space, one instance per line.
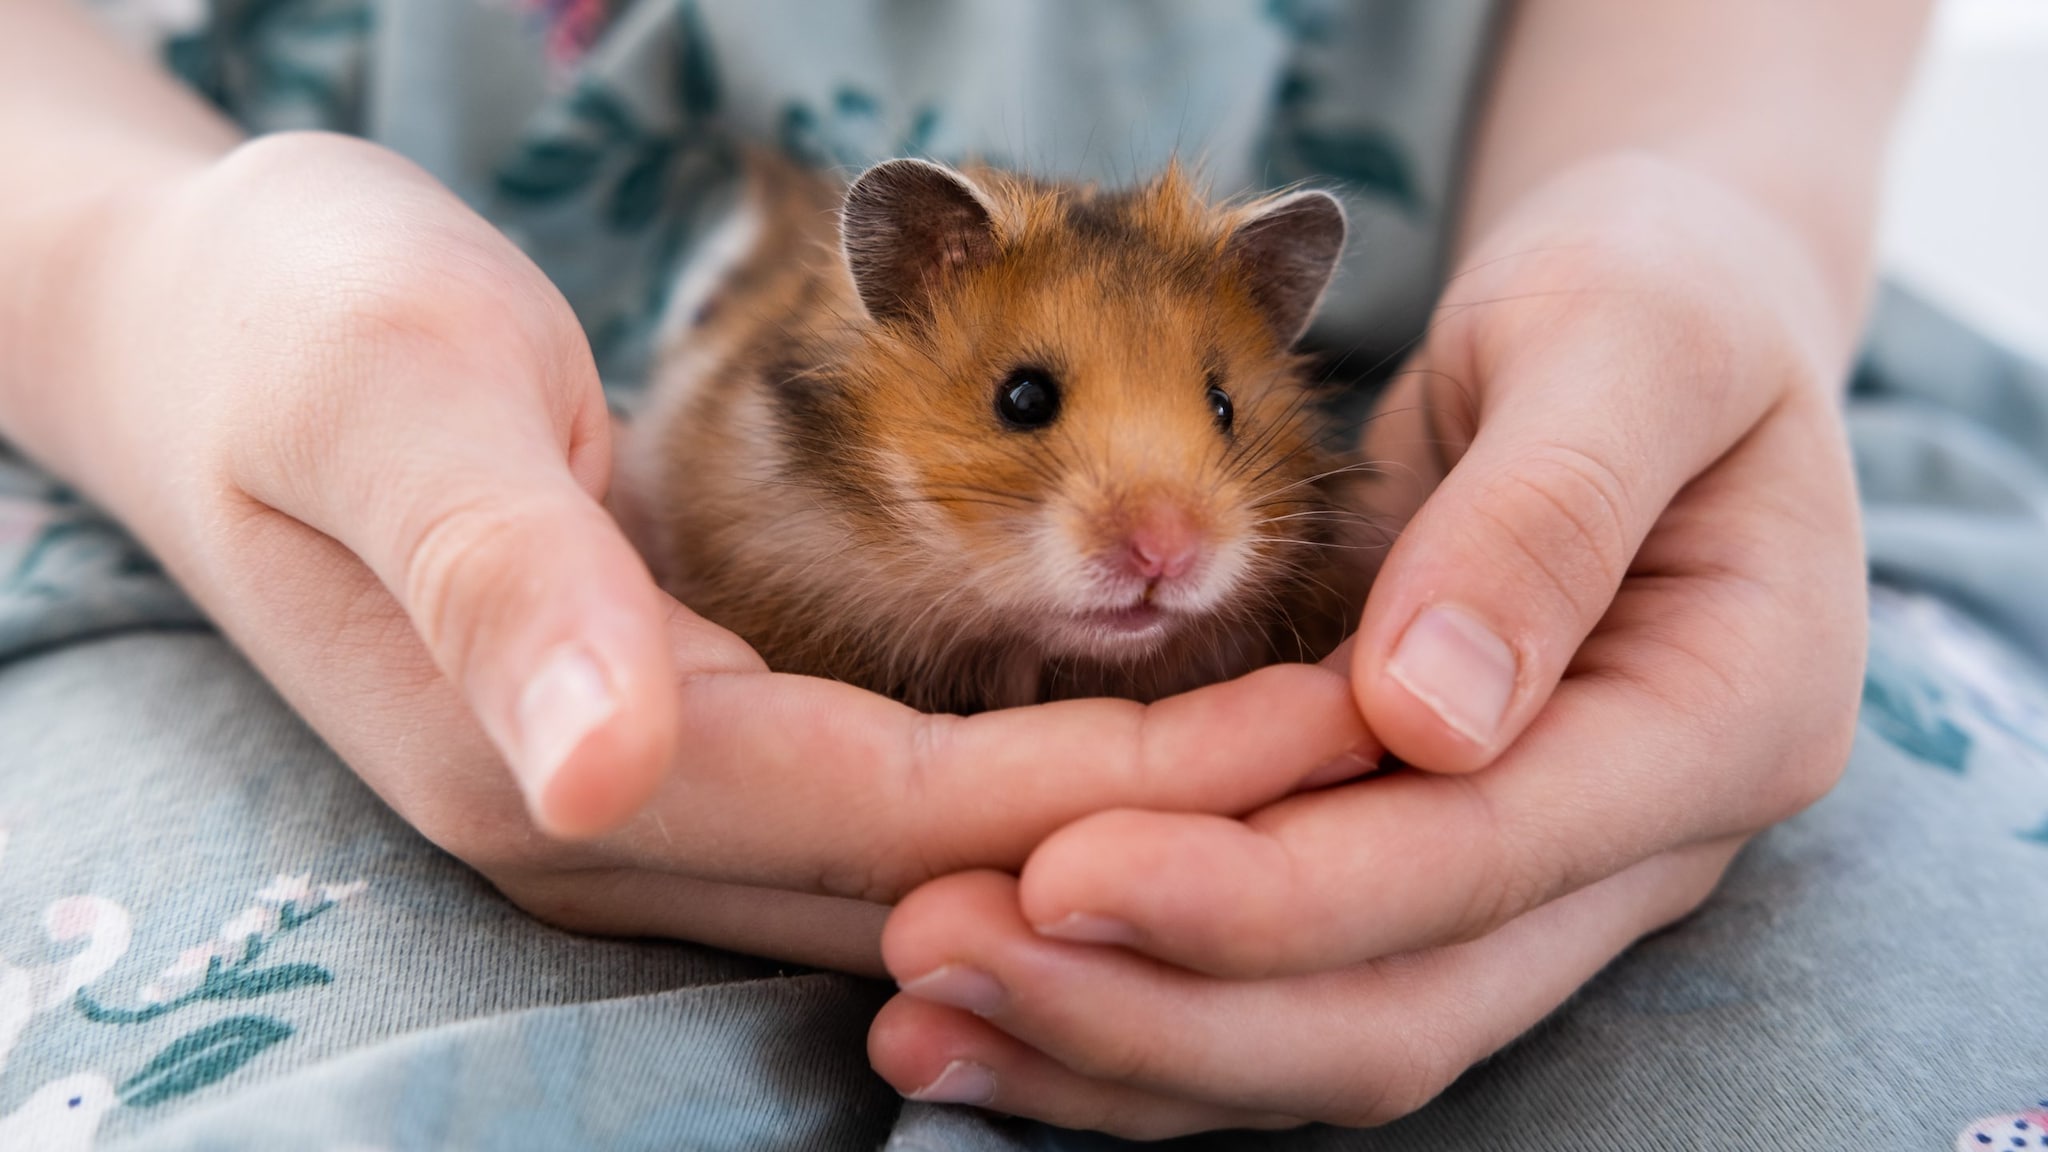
1410 1064
1489 905
906 832
919 831
1694 884
573 900
873 881
1393 1086
1117 1055
1431 1068
488 834
1567 517
462 567
1277 935
1506 877
371 302
1387 1101
1814 772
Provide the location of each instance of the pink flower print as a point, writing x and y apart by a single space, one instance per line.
106 929
71 918
21 520
571 27
336 893
2016 1132
187 971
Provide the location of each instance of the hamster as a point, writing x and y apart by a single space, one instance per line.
974 440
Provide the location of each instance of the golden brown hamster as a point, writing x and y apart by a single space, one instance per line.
974 440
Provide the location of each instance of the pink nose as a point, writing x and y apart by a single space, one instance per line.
1162 545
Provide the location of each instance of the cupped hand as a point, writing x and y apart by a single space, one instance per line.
367 435
1622 635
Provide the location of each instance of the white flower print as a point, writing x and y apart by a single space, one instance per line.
287 889
249 922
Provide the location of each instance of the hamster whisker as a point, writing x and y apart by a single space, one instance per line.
1371 467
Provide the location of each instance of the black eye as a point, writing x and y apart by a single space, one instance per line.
1220 405
1028 398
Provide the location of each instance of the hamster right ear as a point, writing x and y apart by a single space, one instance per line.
907 226
1287 248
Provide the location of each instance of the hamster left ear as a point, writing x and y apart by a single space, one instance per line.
907 226
1287 249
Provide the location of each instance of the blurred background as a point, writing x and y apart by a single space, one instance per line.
1966 219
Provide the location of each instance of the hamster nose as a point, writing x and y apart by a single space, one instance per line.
1162 545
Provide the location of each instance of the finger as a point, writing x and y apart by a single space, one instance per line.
534 604
1590 413
1361 1045
455 439
817 931
1684 720
806 784
941 1055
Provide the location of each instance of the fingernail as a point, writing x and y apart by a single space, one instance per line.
1350 764
562 704
959 986
1462 671
1088 928
963 1082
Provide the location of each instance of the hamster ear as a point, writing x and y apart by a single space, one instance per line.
907 226
1287 250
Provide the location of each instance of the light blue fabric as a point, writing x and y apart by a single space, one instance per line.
1867 977
1951 436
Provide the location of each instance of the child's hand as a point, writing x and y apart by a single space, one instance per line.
366 434
1648 562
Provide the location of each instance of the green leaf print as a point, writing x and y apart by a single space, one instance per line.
1371 161
923 127
51 566
549 170
248 985
275 64
202 1057
853 103
855 130
696 67
239 979
1906 719
2037 835
1304 19
290 915
1368 160
595 106
637 199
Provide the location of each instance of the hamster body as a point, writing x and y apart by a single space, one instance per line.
973 440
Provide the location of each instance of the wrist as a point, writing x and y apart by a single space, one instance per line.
65 259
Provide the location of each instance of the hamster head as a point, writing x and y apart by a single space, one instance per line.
1080 411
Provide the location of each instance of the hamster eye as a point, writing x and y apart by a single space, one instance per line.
1028 398
1220 405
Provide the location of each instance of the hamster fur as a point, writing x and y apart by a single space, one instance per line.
974 440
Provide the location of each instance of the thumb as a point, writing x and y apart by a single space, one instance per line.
1512 561
477 507
530 598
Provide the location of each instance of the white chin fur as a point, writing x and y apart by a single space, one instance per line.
1111 642
1081 611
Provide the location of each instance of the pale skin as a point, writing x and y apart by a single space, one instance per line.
365 434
